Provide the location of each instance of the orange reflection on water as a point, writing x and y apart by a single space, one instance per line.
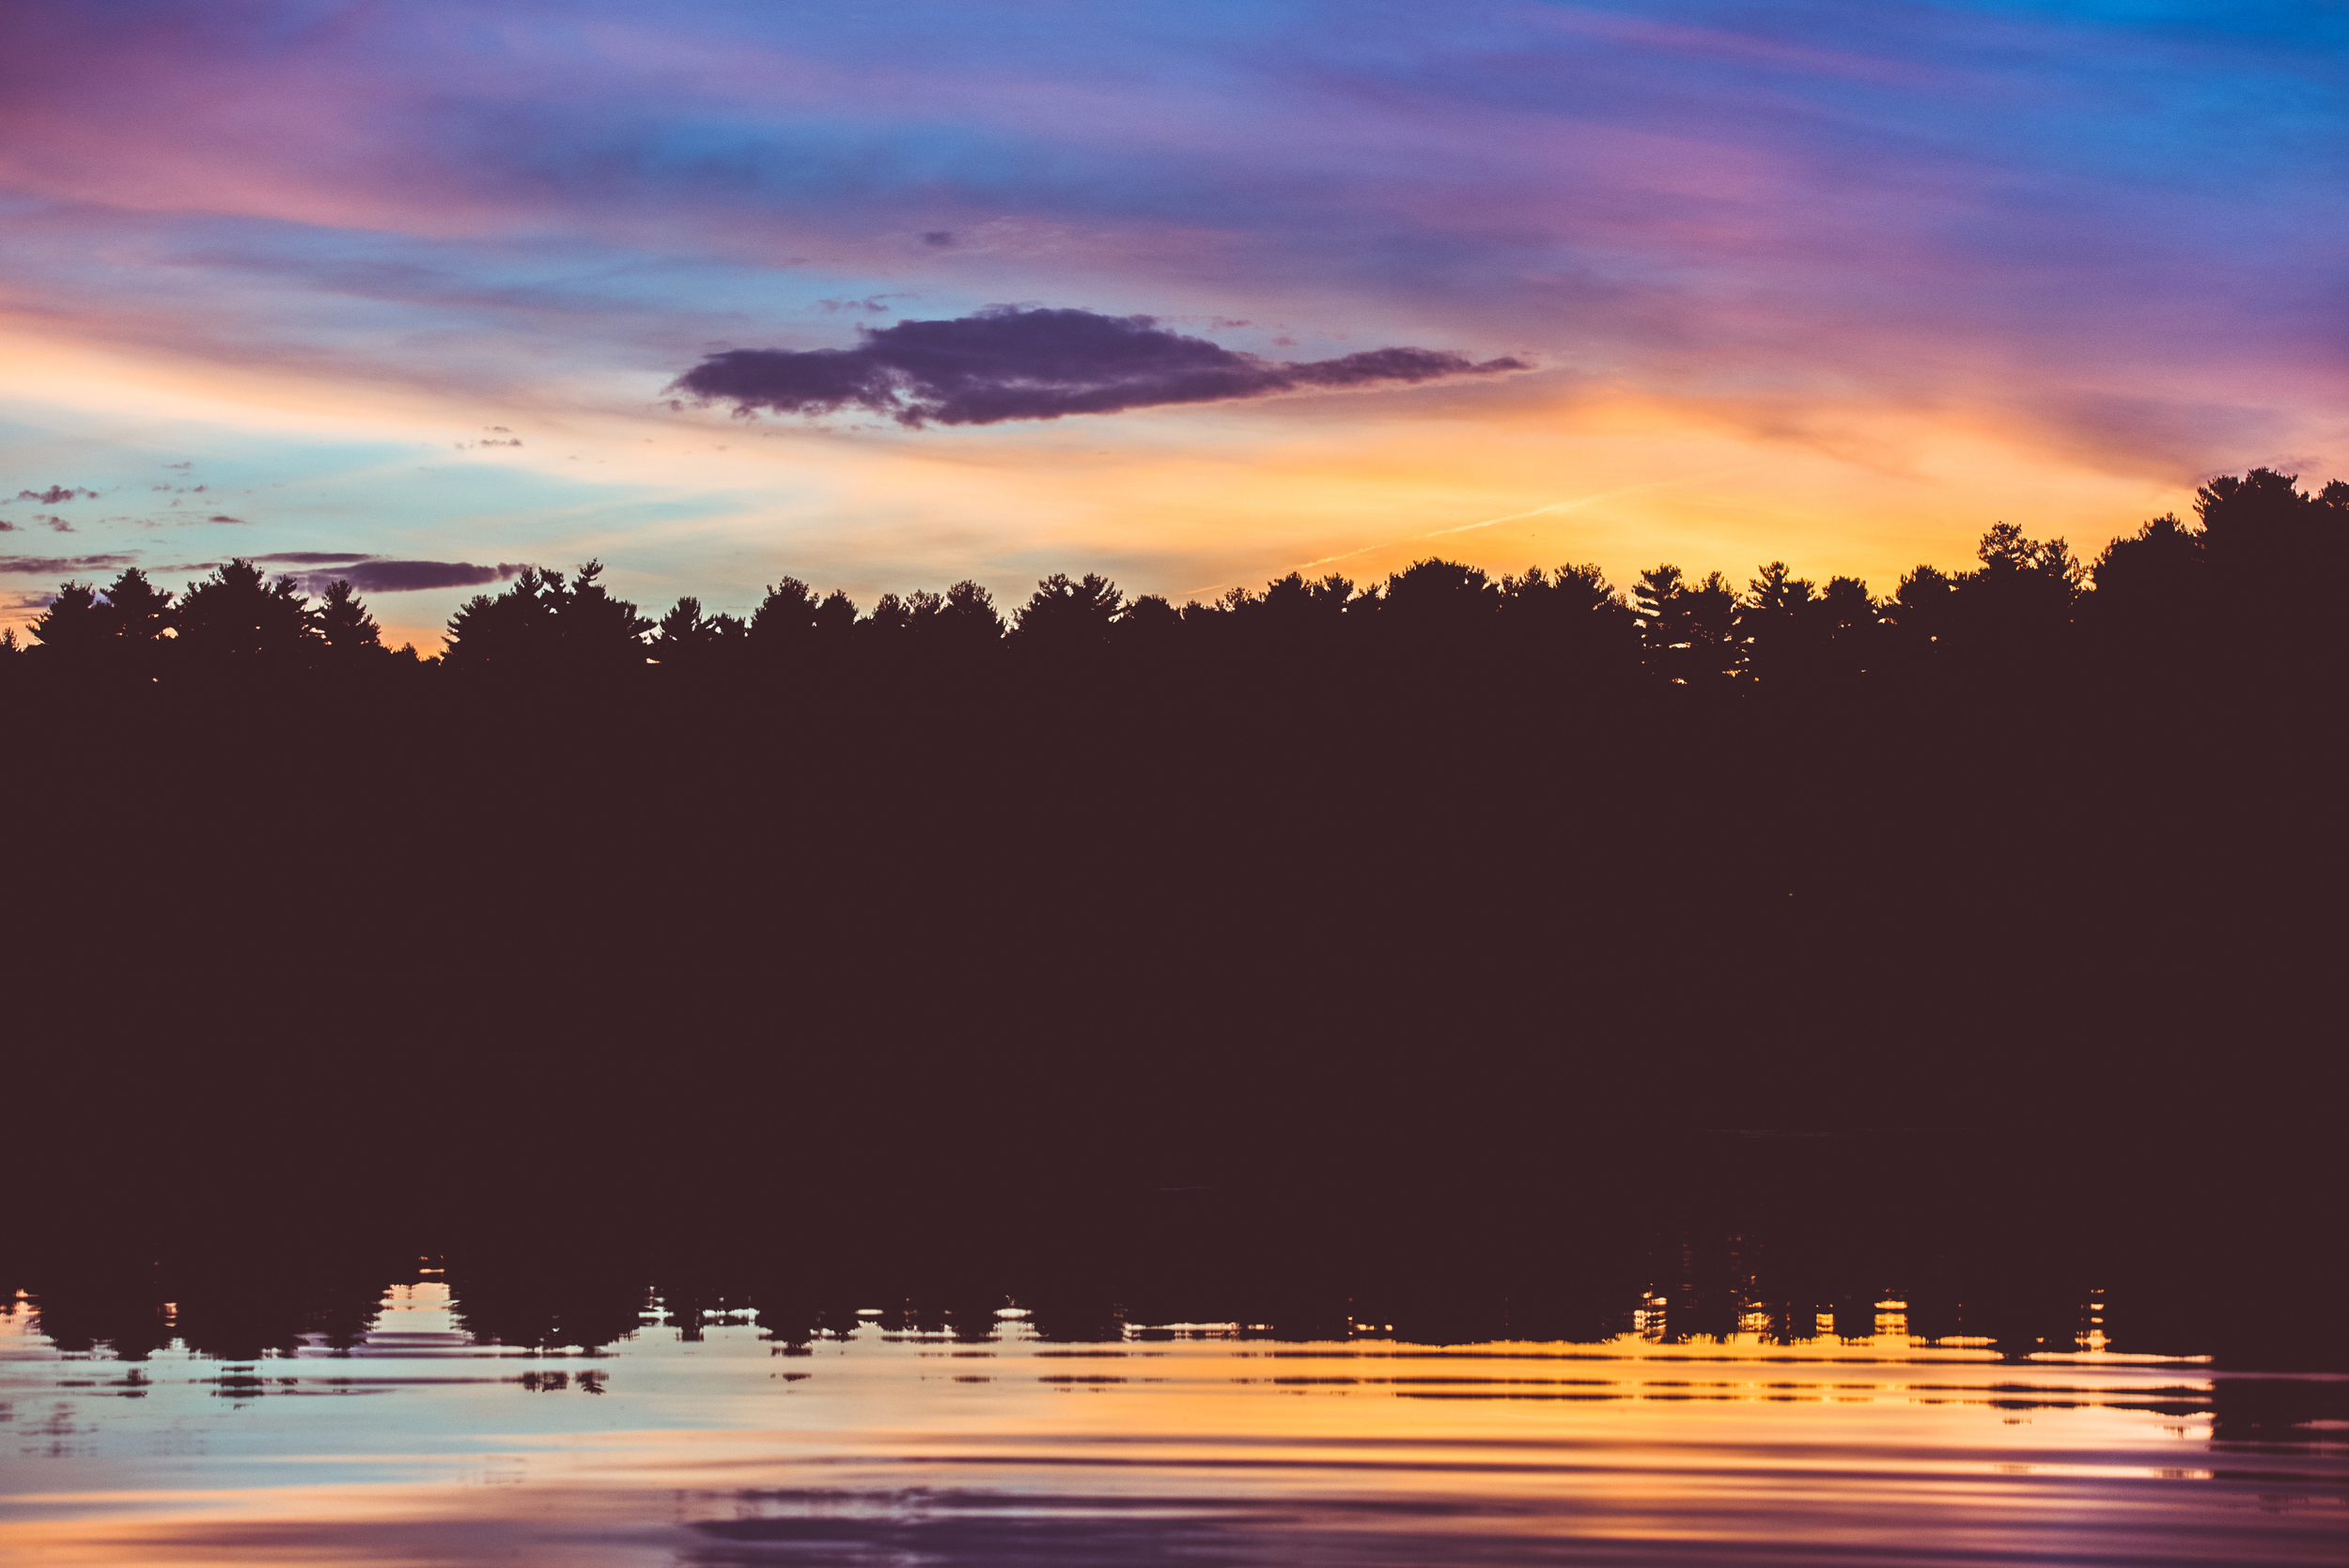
1199 1448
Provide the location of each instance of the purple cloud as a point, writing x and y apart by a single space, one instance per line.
1006 362
58 565
55 495
375 575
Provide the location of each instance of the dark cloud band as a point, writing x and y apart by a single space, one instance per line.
401 577
1010 363
368 574
374 574
58 565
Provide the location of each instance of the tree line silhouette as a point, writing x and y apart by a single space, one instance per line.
1351 897
2175 599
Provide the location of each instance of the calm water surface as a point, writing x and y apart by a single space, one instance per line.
1192 1445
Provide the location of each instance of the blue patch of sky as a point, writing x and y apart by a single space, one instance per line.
2071 96
379 498
1048 33
2306 21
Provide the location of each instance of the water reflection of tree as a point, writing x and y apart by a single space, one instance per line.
239 1307
1756 1274
547 1302
1716 1234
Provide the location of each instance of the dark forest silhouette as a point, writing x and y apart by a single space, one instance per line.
1378 907
2174 601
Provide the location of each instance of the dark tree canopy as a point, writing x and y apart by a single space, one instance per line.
74 623
2244 584
344 625
546 625
237 616
234 624
1066 615
138 612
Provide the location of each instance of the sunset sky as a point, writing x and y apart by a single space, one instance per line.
1838 283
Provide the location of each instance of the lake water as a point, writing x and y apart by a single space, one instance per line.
703 1441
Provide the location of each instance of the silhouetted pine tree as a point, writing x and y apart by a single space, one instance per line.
687 640
1783 625
1570 622
545 626
1439 603
966 622
1068 617
784 622
344 625
75 629
238 621
141 618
